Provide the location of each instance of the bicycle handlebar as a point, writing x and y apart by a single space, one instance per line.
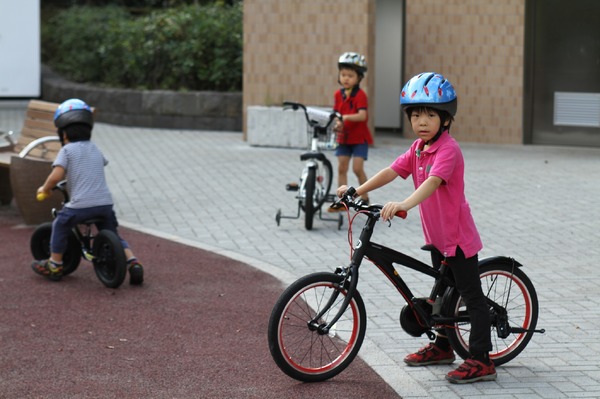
314 112
60 186
373 210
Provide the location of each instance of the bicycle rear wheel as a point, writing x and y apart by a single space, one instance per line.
40 247
509 287
299 349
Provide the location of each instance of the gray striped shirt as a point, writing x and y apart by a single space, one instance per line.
84 165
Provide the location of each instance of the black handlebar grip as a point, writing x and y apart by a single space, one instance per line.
350 192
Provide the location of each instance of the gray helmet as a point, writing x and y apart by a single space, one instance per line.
355 61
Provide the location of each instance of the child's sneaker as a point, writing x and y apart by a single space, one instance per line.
47 269
336 207
430 354
136 272
471 371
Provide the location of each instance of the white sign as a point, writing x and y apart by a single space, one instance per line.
20 58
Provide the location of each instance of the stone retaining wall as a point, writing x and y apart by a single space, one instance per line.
152 108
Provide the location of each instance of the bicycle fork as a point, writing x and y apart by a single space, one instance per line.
322 328
350 274
84 242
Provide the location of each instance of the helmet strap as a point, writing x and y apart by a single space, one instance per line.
443 127
61 136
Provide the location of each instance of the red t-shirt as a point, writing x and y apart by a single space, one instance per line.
354 132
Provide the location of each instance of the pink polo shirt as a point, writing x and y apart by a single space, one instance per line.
445 215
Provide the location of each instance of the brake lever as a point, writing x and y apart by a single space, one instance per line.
335 115
400 214
337 204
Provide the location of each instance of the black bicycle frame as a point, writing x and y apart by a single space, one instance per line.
384 258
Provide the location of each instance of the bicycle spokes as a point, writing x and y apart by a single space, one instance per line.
513 313
310 343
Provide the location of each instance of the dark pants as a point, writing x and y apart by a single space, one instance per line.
468 284
67 218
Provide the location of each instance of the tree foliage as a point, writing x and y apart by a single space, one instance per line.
189 47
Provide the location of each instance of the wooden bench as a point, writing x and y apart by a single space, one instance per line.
25 165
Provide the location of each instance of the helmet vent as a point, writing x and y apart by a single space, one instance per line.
428 79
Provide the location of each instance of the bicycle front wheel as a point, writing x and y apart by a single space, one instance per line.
109 260
509 287
324 181
304 352
309 198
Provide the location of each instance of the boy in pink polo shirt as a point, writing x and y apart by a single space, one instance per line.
436 165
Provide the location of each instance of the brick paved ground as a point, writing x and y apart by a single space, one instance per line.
537 204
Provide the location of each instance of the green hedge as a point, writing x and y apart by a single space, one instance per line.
185 48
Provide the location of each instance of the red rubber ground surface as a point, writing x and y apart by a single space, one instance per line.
195 329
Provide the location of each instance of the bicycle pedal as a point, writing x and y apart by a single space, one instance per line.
292 187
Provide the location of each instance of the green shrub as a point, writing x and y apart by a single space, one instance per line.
184 48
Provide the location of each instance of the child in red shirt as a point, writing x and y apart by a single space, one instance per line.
354 135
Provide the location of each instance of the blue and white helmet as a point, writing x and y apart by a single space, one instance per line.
73 111
429 89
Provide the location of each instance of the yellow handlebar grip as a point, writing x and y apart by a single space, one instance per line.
41 196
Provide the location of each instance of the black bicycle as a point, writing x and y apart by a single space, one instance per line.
317 173
103 248
318 324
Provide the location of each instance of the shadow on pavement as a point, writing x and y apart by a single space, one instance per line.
195 329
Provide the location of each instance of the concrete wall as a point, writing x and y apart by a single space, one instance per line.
479 46
152 108
291 48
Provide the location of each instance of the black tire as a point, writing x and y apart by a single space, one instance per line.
509 287
302 352
109 260
309 198
40 247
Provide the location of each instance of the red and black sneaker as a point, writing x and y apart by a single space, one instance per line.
472 371
430 354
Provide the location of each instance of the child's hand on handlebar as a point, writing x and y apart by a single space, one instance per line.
345 194
338 125
42 194
341 190
392 209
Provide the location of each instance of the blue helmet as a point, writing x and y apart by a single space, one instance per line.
429 89
73 111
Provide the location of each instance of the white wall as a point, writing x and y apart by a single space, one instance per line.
388 63
20 58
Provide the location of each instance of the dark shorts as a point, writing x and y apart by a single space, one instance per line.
67 218
353 150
